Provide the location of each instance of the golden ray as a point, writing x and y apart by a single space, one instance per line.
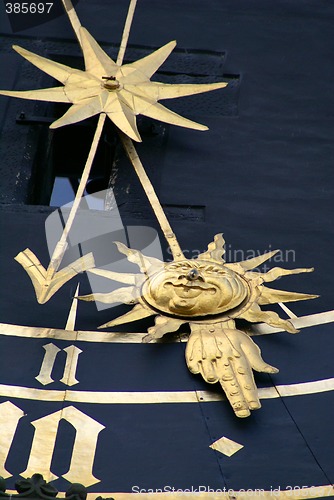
160 91
123 117
216 249
72 315
54 94
255 315
159 112
126 295
136 257
162 326
277 272
97 62
78 112
127 278
249 264
58 71
137 313
144 68
271 296
148 106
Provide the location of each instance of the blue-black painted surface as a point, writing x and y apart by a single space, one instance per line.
262 175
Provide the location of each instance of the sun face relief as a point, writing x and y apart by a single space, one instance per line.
207 294
195 288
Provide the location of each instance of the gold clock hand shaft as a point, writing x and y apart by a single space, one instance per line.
73 17
130 150
152 197
126 32
62 243
48 281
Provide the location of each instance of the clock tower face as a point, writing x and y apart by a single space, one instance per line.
135 367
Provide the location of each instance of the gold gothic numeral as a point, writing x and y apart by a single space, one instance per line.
72 358
44 440
9 418
83 454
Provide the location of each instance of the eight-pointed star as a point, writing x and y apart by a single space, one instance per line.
122 92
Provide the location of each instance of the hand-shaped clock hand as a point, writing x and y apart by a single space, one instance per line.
227 356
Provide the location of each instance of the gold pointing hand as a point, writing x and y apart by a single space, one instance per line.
227 356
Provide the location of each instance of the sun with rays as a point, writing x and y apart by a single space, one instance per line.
208 294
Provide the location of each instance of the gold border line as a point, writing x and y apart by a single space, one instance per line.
313 492
136 338
58 334
297 494
104 397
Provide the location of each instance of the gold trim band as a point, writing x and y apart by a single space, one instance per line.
58 334
13 391
136 338
294 494
290 494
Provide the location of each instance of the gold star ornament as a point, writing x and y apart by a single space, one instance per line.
121 92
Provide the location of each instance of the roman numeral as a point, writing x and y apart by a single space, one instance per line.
72 358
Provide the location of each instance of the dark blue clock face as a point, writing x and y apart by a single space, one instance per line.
119 408
105 410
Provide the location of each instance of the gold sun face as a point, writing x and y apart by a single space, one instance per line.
194 289
208 294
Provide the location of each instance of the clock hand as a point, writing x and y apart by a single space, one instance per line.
48 281
126 32
73 17
61 246
152 196
130 93
126 141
